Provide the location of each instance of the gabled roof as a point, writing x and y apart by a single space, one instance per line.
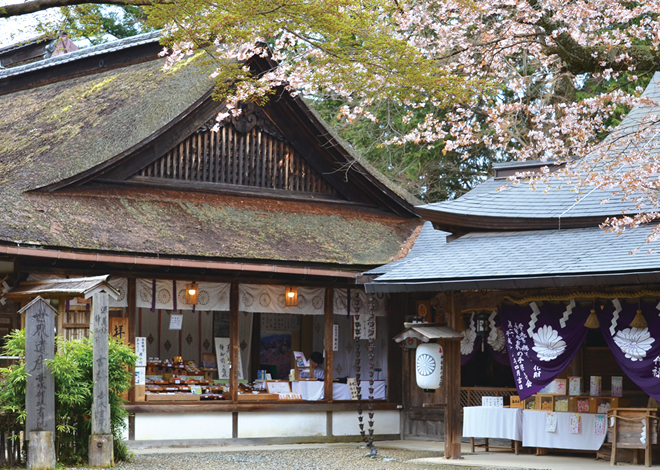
427 331
70 150
82 286
499 205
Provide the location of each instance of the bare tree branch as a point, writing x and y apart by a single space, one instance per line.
33 6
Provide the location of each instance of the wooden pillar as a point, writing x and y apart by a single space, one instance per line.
233 342
452 378
396 310
131 312
61 308
327 336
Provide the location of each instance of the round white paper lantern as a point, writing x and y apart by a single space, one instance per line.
428 365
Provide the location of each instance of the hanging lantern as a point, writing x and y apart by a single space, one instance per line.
428 366
192 293
481 324
291 296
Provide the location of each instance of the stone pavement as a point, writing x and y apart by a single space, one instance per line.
480 459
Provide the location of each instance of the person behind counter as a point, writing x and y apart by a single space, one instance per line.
316 364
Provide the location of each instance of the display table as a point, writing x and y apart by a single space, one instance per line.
491 422
535 435
313 390
343 392
310 390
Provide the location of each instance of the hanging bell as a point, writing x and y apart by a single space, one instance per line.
639 321
592 320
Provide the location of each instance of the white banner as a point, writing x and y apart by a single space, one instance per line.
361 303
270 299
212 295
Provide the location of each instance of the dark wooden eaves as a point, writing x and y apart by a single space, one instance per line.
23 53
464 223
296 122
82 66
327 155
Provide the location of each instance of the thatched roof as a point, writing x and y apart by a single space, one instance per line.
54 132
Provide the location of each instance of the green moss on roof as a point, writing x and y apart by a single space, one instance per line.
56 131
169 223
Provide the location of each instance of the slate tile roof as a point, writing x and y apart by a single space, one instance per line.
490 200
428 240
494 255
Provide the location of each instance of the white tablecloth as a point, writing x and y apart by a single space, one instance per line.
312 390
491 422
343 392
535 435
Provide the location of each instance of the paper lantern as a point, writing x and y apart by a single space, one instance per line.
192 293
428 365
291 296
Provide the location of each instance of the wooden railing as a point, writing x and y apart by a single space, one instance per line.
471 396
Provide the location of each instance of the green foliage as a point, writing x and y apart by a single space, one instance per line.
97 22
427 171
72 370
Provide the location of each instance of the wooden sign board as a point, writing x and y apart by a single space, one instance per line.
222 353
515 402
278 386
352 386
39 349
119 329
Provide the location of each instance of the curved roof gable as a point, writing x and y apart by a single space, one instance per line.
76 153
498 205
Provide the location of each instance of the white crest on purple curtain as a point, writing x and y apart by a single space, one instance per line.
567 313
615 315
496 339
534 317
496 335
634 342
548 344
469 337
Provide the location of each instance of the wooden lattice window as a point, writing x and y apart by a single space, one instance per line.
243 152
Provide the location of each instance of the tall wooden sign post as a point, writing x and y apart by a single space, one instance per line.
100 442
40 392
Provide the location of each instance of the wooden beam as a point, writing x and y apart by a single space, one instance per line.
328 323
225 406
396 310
131 312
452 357
233 342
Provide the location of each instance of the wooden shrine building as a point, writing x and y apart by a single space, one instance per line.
109 167
493 260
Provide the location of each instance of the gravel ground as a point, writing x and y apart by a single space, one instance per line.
335 458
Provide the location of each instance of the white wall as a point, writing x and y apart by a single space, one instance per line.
345 423
274 424
180 426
